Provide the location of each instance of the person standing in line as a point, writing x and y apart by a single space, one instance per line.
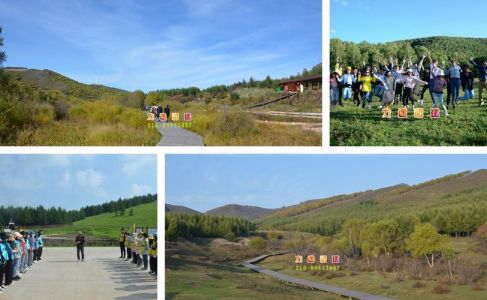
4 259
128 241
40 245
80 246
140 248
32 249
122 243
133 247
145 253
9 271
153 256
482 78
17 249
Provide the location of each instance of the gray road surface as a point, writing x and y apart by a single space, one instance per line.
102 276
175 136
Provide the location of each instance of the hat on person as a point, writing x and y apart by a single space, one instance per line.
409 71
349 68
441 73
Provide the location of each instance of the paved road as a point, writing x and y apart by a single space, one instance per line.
175 136
59 276
308 283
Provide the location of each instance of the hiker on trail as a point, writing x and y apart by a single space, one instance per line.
122 243
439 85
80 246
482 78
347 81
167 111
409 81
467 79
153 255
454 72
40 244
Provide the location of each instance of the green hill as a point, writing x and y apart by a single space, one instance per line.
455 204
108 225
48 80
240 211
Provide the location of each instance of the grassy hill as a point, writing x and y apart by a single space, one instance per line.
108 225
50 80
240 211
427 201
179 209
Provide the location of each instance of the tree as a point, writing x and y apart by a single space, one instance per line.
3 56
426 241
131 212
257 243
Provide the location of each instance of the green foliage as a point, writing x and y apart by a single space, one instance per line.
441 48
426 241
192 225
257 243
3 56
233 125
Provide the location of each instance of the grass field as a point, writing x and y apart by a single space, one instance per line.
353 126
107 226
394 285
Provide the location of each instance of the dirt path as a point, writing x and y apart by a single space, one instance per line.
249 264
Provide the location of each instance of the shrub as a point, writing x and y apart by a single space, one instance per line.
61 110
467 273
418 284
257 243
441 289
233 124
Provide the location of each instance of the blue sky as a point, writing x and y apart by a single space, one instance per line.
73 181
142 44
203 182
384 20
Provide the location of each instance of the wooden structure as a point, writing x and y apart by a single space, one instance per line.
298 85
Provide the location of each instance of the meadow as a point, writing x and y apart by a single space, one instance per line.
107 225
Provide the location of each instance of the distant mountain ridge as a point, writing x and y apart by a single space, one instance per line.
169 208
241 211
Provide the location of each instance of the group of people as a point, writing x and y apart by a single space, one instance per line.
157 110
140 249
19 251
393 84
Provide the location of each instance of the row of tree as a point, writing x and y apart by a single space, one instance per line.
56 216
158 96
201 225
440 48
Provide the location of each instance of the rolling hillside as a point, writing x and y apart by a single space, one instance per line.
108 225
430 201
50 80
241 211
178 209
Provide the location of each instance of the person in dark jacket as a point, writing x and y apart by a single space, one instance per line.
467 81
167 111
482 78
158 112
80 246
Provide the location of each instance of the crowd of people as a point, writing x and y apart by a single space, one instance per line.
157 111
393 84
140 249
19 251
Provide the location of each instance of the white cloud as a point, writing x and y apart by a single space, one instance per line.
66 183
89 179
134 164
141 189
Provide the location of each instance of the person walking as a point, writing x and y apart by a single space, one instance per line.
80 246
482 78
167 111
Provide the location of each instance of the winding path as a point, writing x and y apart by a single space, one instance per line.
176 136
249 264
